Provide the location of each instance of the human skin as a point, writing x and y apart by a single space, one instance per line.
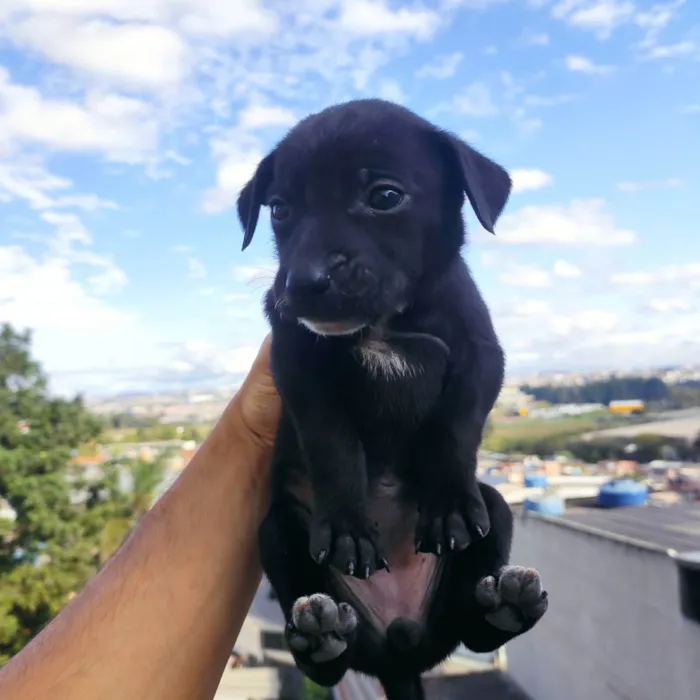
161 618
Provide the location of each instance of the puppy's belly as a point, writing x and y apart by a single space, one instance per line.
404 590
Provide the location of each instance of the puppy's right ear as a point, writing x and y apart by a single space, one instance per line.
486 184
252 197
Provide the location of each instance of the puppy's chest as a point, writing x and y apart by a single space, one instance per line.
396 379
385 362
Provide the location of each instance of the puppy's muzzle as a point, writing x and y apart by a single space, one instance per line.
334 295
308 281
329 285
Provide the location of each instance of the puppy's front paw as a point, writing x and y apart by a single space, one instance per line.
320 627
513 599
349 544
451 527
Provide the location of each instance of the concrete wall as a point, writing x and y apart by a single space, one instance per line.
614 628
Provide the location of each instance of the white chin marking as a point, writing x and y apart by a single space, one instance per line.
332 328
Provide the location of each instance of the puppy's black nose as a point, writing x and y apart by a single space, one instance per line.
307 280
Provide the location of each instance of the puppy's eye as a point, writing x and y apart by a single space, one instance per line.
384 198
279 210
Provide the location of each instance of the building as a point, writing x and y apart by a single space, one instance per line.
626 407
616 627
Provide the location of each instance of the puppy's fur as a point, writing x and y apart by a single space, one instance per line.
384 550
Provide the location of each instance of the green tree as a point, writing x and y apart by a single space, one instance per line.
312 691
51 548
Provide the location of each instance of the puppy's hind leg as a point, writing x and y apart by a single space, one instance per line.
320 631
497 602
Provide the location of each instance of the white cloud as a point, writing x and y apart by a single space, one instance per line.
121 128
202 353
391 90
680 48
223 19
583 222
133 55
369 17
686 274
30 182
196 269
598 16
531 308
672 304
441 67
566 270
257 116
43 294
581 64
109 281
525 179
535 39
235 168
549 100
653 21
475 101
590 320
668 183
526 276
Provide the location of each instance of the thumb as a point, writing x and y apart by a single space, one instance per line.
258 401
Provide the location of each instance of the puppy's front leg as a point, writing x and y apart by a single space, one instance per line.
452 509
340 534
340 531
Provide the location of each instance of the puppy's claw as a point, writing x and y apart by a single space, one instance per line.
385 564
348 544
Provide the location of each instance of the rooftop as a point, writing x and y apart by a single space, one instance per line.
674 526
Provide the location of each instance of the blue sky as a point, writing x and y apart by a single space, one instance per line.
127 128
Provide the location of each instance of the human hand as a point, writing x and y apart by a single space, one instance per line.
256 406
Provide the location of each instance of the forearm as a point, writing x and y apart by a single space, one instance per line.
161 618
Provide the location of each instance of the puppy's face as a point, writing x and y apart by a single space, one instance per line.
365 202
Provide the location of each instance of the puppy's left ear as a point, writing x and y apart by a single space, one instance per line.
486 184
252 197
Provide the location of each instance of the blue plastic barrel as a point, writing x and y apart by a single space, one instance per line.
552 506
622 493
535 481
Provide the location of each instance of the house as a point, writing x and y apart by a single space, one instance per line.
624 615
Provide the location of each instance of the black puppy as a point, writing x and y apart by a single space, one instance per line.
383 548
